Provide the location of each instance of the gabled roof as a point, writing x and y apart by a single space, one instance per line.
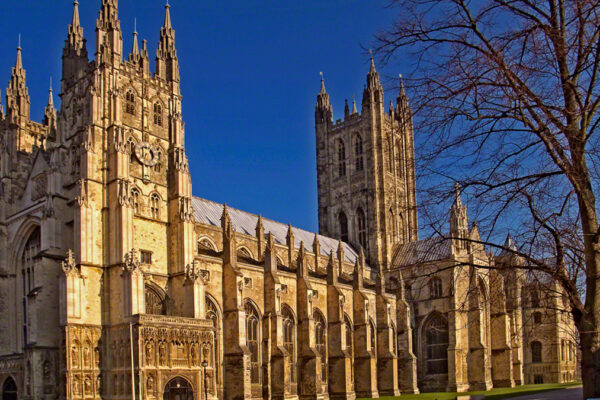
422 251
208 212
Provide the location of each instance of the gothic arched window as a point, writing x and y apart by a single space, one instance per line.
321 342
131 149
361 223
343 223
130 102
341 149
155 303
373 334
435 288
253 341
350 344
28 265
358 152
536 352
392 225
289 339
436 345
212 313
155 205
158 114
135 200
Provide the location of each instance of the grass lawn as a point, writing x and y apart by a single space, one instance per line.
494 394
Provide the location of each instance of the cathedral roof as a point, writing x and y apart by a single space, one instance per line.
209 213
422 251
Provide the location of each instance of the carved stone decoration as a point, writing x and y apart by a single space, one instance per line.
185 209
69 265
82 190
149 353
192 272
87 386
49 211
132 261
99 385
124 192
77 386
119 140
150 384
194 355
180 159
75 355
162 353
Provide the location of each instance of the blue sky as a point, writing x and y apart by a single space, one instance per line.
249 73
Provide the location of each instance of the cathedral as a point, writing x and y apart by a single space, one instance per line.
117 283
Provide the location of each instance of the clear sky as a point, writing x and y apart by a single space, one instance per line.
249 76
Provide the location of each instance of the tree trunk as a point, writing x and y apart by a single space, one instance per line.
590 358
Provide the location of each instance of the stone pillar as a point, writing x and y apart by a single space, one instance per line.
478 361
71 298
365 361
308 365
194 304
276 382
502 364
407 361
339 359
387 360
133 285
236 360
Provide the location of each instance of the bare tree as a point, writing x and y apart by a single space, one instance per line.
506 98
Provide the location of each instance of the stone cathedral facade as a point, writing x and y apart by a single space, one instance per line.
116 282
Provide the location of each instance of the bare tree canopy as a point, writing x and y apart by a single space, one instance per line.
506 100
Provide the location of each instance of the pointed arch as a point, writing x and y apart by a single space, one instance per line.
536 351
253 340
9 389
155 299
321 341
361 225
136 200
289 338
243 251
157 113
435 341
341 157
435 288
343 226
155 205
206 243
358 152
29 264
372 335
130 101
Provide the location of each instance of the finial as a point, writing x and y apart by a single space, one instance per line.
402 92
354 110
135 26
50 97
19 47
323 91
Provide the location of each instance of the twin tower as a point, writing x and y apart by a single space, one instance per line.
366 172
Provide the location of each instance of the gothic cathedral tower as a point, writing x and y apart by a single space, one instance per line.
365 172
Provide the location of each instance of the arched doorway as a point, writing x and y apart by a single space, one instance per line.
9 389
178 389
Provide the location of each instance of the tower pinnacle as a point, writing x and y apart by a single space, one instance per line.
323 111
17 94
135 49
167 66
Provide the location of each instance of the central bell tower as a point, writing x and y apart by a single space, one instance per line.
366 173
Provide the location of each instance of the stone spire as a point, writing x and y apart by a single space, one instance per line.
167 66
134 56
109 40
323 111
17 94
459 222
373 91
75 41
75 56
50 114
403 109
354 110
346 109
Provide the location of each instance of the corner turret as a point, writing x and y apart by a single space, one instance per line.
75 55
